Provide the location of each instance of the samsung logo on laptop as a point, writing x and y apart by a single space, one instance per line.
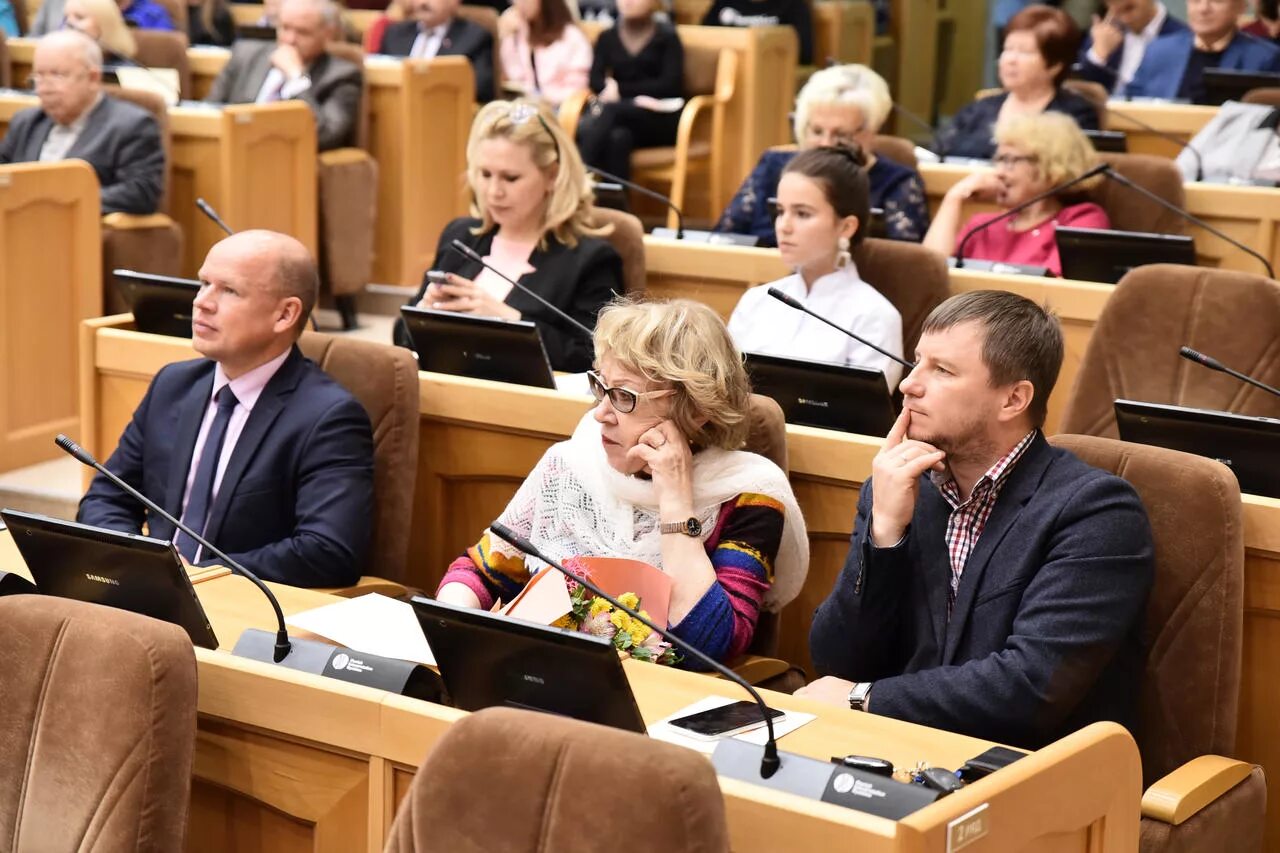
533 679
101 579
822 404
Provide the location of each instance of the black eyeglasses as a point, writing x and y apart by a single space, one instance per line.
623 400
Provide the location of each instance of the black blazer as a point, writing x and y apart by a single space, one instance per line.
579 281
1045 635
121 142
463 38
295 503
971 132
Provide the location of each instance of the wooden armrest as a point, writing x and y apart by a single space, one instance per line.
756 669
136 221
693 108
1194 785
343 156
571 111
367 584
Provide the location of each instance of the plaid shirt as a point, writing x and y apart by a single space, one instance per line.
967 519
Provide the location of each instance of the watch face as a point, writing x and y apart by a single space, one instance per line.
692 527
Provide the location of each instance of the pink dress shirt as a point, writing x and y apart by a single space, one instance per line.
1035 246
563 67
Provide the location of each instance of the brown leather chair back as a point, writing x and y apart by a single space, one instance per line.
76 777
627 237
1094 93
1133 351
559 784
767 436
1130 211
165 49
1269 96
1194 618
5 75
701 63
354 54
384 379
910 276
154 104
899 149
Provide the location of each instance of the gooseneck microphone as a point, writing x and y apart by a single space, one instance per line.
771 762
941 153
644 191
471 254
1169 137
1213 364
1018 208
1189 216
207 210
795 303
83 456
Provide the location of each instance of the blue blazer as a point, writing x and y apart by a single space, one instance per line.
1106 74
1045 635
295 502
1162 69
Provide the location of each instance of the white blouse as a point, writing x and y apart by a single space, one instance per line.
762 324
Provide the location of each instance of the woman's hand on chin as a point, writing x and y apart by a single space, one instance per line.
668 459
980 186
465 297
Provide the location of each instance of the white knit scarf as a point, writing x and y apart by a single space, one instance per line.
574 503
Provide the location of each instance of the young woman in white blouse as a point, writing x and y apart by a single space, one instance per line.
822 204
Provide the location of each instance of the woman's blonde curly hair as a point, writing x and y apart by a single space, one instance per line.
528 122
682 345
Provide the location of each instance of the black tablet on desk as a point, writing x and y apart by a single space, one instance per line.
1224 84
824 394
487 660
1248 445
121 570
1100 254
161 304
479 347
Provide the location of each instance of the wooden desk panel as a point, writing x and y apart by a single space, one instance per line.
22 54
50 281
1181 121
206 64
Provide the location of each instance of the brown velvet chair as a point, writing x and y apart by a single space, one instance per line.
1129 210
1094 93
1195 799
165 49
899 149
73 777
150 243
348 208
910 276
1133 351
553 784
385 381
1269 96
627 238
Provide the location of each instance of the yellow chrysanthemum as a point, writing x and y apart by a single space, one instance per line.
629 599
621 621
598 606
639 632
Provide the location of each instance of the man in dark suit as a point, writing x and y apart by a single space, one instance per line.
433 28
298 67
1114 46
77 120
995 585
253 445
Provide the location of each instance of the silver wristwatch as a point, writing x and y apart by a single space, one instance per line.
858 695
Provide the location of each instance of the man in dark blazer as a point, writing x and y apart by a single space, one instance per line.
297 67
995 585
77 120
1174 67
433 28
1114 46
252 445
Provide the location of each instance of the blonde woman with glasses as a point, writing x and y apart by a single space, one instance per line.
531 204
655 473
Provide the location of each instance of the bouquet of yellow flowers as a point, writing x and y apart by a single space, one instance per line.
596 616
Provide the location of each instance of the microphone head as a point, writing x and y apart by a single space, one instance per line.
204 207
75 450
1199 358
784 298
464 249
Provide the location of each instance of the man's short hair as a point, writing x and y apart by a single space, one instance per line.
296 275
330 12
89 50
1021 340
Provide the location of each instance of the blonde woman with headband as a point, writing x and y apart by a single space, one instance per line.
842 105
101 21
531 205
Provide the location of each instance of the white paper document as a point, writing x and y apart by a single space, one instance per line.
784 725
373 624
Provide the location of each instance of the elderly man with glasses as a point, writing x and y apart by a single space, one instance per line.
76 119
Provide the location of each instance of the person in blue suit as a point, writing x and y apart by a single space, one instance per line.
996 585
1174 67
1115 44
252 445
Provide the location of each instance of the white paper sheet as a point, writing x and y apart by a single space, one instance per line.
373 624
784 725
